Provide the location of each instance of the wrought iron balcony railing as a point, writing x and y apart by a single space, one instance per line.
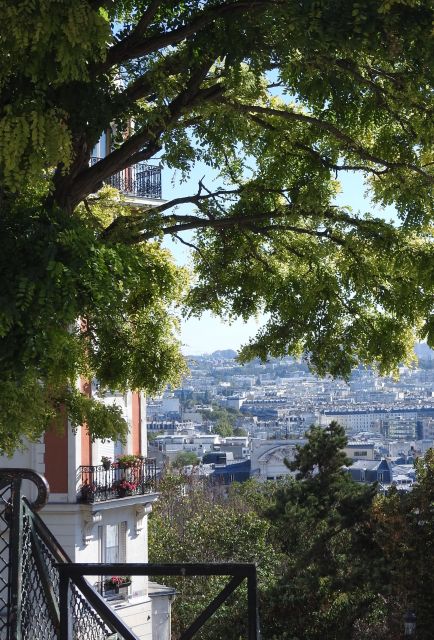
98 484
140 180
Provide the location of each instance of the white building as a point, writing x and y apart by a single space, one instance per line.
268 458
97 514
93 518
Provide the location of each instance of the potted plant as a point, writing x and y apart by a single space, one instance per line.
106 462
127 460
87 492
125 487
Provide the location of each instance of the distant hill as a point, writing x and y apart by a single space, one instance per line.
224 354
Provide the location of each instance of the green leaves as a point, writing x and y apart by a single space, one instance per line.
74 306
281 99
63 39
321 523
192 523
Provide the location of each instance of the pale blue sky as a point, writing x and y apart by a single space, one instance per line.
209 333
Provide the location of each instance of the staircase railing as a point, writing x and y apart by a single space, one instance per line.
45 596
72 574
30 557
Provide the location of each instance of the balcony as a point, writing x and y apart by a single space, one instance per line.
138 181
99 484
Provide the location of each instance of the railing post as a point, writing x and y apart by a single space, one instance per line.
252 605
65 627
16 561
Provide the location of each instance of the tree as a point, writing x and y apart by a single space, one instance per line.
403 524
223 428
331 576
185 458
153 435
240 432
201 525
196 81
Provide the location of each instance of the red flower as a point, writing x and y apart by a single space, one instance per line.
128 486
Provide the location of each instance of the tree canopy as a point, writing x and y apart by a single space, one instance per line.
185 458
336 558
332 573
281 98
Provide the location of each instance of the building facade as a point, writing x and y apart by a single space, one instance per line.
100 514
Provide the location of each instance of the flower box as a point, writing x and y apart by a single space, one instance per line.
117 585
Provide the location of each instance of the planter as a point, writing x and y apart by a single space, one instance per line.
111 590
123 493
122 589
106 465
87 493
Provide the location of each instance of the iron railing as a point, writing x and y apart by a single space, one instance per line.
98 484
29 575
141 180
44 596
71 574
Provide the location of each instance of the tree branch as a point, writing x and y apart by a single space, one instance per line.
190 245
332 129
194 199
130 48
239 221
144 144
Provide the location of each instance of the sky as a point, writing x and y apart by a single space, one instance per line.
208 333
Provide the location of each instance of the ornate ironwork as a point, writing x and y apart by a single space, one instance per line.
98 484
29 575
5 558
16 476
141 180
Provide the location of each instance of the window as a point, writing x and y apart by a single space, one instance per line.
112 542
359 454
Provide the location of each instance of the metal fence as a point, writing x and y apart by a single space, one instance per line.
71 574
29 573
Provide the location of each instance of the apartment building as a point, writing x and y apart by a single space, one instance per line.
101 493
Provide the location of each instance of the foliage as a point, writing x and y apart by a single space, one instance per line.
404 525
117 581
195 523
328 581
59 271
221 414
336 560
127 460
239 432
152 435
281 98
126 485
185 458
223 428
